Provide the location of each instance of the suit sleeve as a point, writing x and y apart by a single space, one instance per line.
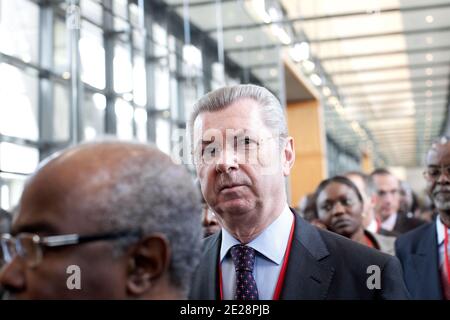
392 284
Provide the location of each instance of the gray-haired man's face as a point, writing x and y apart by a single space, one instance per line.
238 160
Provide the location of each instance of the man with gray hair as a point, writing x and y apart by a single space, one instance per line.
424 252
243 155
104 220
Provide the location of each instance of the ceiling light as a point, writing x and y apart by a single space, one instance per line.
308 65
429 93
429 57
273 72
281 34
239 38
300 52
66 75
429 19
429 83
315 79
260 9
429 71
326 91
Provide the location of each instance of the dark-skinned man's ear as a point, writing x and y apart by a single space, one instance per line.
148 263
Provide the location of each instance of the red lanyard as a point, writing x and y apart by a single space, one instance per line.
447 262
282 275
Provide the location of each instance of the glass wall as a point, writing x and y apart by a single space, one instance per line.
134 76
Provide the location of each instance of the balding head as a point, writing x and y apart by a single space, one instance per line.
105 187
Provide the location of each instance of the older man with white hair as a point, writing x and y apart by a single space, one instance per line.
243 154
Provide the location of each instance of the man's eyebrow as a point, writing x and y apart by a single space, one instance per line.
39 227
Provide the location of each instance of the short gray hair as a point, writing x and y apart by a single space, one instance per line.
148 191
271 111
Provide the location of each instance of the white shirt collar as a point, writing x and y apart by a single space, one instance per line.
440 230
271 243
389 223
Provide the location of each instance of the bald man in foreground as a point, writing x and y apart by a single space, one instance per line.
105 220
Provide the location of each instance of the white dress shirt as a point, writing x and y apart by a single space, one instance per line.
389 223
270 247
440 240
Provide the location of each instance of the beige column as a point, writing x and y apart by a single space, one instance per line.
305 124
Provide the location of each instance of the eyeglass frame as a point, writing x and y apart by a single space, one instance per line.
58 241
441 171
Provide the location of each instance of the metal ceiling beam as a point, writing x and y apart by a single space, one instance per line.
328 16
386 53
396 67
348 38
392 80
199 3
366 101
386 92
389 102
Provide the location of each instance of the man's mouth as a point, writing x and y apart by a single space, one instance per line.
230 187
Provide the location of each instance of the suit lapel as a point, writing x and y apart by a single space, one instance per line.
307 276
209 288
425 262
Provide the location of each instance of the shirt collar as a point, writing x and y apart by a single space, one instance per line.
271 243
440 230
389 223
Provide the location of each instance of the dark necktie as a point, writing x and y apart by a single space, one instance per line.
244 261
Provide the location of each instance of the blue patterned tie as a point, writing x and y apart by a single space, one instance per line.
244 261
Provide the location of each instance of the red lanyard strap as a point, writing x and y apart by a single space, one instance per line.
447 262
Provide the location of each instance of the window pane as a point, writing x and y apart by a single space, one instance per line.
11 189
18 159
163 135
120 8
18 109
92 10
139 81
92 55
19 26
60 58
93 115
124 115
140 117
122 69
61 116
162 87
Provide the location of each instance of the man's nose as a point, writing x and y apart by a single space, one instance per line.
443 178
228 160
12 276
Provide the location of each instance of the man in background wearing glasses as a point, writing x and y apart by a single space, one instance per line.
424 252
123 214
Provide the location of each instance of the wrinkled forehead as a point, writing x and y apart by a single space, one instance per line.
439 154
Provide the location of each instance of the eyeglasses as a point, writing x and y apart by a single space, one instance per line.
433 173
29 247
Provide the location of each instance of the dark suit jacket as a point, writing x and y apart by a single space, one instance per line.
417 251
322 265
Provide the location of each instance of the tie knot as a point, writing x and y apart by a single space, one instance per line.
243 257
